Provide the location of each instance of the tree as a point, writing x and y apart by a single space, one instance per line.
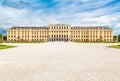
5 38
115 38
0 38
118 37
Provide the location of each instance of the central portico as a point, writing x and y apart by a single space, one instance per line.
59 32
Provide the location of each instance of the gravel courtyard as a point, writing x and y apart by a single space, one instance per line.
59 61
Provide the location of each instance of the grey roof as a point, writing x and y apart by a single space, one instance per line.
90 27
42 27
73 27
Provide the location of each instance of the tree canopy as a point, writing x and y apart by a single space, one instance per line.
119 38
115 38
0 38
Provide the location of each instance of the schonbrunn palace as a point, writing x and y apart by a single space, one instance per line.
60 32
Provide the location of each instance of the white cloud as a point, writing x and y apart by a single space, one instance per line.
117 25
10 16
103 19
87 13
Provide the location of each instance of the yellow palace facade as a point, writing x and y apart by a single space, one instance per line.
60 32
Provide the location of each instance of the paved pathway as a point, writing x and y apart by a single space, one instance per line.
60 62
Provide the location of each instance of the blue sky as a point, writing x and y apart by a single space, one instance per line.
73 12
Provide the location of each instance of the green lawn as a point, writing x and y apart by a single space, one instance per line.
6 47
116 46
